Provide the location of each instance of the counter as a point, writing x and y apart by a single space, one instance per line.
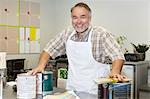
8 93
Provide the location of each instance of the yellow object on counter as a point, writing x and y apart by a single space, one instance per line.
102 80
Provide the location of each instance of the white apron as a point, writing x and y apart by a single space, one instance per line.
83 68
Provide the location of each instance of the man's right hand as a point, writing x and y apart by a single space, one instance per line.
36 70
44 57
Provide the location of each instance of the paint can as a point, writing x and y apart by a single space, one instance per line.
26 86
47 82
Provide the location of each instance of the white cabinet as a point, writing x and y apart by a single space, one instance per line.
129 72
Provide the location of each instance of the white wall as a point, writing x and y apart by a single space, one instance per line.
47 21
148 53
128 18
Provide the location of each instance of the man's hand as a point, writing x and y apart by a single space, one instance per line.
44 57
118 77
116 71
36 70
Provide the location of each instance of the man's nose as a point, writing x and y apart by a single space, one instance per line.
79 21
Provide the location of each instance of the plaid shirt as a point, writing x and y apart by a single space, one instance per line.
104 45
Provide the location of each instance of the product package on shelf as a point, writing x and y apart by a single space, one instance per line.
62 78
62 73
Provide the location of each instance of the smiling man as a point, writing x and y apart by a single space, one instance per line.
88 49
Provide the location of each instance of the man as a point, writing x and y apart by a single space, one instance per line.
87 49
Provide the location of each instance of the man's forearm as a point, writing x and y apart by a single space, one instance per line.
117 66
44 57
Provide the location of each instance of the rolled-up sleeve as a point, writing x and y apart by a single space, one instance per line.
111 47
56 46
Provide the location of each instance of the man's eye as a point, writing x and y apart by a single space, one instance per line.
83 17
74 17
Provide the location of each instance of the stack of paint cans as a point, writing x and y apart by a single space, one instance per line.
31 86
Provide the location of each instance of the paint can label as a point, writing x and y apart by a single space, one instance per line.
26 86
47 82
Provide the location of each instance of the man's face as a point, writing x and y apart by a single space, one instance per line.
80 19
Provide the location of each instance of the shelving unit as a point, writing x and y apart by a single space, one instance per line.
14 67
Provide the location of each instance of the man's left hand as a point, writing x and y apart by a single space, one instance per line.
118 77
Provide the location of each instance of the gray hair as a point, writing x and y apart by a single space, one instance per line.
82 4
